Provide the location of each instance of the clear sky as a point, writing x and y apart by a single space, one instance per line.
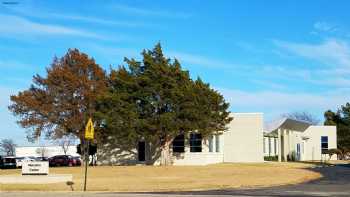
264 56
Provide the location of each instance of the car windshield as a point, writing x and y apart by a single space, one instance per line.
9 160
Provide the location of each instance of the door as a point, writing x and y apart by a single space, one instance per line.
141 150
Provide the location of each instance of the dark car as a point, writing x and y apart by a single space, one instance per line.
77 161
42 159
7 162
63 160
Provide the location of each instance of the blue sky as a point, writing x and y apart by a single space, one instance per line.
263 56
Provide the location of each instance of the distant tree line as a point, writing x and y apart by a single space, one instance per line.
152 99
302 116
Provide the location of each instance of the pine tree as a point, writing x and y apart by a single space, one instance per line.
158 101
341 119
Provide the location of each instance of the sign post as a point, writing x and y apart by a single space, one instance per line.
89 135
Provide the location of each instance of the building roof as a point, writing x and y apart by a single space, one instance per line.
287 123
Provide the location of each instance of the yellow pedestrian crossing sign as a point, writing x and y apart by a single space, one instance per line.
89 130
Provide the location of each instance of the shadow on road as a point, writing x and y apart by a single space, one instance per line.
335 181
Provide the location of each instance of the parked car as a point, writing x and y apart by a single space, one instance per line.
7 162
42 158
64 160
20 160
77 161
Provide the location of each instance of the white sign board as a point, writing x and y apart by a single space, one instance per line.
35 168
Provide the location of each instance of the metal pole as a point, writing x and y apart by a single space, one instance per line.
86 162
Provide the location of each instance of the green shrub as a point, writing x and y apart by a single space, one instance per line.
271 158
292 156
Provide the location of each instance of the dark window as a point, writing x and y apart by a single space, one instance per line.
179 144
275 145
269 146
141 151
298 149
324 144
195 142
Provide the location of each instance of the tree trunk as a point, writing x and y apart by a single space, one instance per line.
165 157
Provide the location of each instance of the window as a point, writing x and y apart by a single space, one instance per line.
211 144
142 151
298 148
195 142
217 143
324 144
275 145
179 144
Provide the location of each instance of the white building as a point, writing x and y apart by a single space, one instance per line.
246 140
299 140
44 151
241 143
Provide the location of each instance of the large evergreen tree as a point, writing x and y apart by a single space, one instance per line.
341 119
60 103
156 100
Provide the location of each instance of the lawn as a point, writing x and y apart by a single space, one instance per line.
175 178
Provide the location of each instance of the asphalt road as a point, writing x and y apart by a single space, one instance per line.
335 182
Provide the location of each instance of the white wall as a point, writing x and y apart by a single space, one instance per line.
243 142
313 144
201 158
23 151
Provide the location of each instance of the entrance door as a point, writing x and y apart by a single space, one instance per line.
141 150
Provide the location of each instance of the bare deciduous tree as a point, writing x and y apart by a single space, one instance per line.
42 151
303 116
65 142
8 147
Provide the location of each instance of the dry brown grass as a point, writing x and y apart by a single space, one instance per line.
175 178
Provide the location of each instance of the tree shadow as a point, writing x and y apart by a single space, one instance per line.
116 154
119 154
